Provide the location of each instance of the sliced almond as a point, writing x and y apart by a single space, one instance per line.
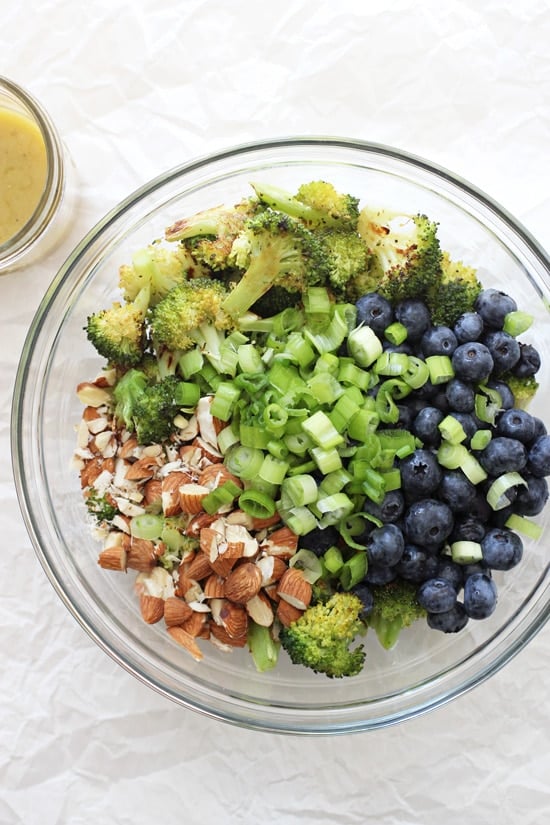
282 542
294 588
93 396
260 609
220 634
183 638
271 568
170 492
143 468
197 523
128 448
152 608
287 613
243 583
141 555
215 475
234 619
195 623
214 587
191 497
176 611
152 492
114 554
199 568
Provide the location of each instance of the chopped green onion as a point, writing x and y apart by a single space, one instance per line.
146 526
263 647
225 398
278 449
480 439
272 470
326 460
191 362
321 430
440 367
334 482
301 489
353 570
332 336
275 418
496 495
363 424
517 322
472 469
324 387
466 552
250 359
334 508
221 496
243 461
451 456
352 375
310 565
392 363
525 526
327 363
298 443
187 394
333 560
451 430
300 520
257 504
417 373
364 346
396 333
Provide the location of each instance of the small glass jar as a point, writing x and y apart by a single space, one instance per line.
51 217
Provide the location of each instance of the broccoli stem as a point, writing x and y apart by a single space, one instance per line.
259 277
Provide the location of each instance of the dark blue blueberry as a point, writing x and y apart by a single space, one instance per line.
405 417
531 500
420 474
493 306
480 596
363 591
415 317
500 517
457 491
320 539
390 508
481 508
387 346
436 595
425 426
417 564
438 340
517 424
374 311
502 549
468 527
460 395
474 569
428 522
538 463
504 455
506 394
386 545
504 350
472 362
540 427
468 327
528 362
450 571
451 621
380 574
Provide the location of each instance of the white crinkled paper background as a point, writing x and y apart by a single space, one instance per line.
138 87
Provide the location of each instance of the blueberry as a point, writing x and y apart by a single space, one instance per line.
450 571
517 424
425 426
530 500
387 346
363 591
480 596
417 564
504 455
451 621
538 463
320 539
468 327
506 395
460 395
428 522
504 350
468 527
374 311
438 340
436 595
380 574
405 417
386 545
390 508
420 474
528 362
540 427
472 362
457 491
493 306
502 549
415 317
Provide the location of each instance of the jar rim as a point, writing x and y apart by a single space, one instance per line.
13 250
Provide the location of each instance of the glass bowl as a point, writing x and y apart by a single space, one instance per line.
426 669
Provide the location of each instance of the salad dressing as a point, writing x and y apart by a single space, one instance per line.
23 171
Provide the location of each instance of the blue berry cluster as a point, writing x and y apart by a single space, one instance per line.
435 506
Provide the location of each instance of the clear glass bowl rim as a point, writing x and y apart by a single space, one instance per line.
245 714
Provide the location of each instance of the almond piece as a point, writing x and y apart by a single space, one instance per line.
191 496
195 623
282 542
170 492
217 474
214 587
287 614
197 523
271 568
243 583
113 558
152 491
260 610
141 555
221 635
176 611
91 395
183 638
142 468
234 619
152 608
199 568
294 588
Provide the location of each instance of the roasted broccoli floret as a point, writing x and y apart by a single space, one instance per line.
395 607
351 273
160 268
406 253
274 249
208 236
523 389
317 204
191 315
320 639
147 407
455 291
118 333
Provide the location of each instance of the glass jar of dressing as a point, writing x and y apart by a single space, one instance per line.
36 180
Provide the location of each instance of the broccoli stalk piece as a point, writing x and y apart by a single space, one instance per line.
208 235
317 204
274 249
118 333
147 407
406 253
191 315
320 639
159 268
454 293
395 607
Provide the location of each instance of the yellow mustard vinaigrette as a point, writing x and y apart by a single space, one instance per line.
23 171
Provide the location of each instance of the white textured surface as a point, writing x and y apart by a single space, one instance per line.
138 87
